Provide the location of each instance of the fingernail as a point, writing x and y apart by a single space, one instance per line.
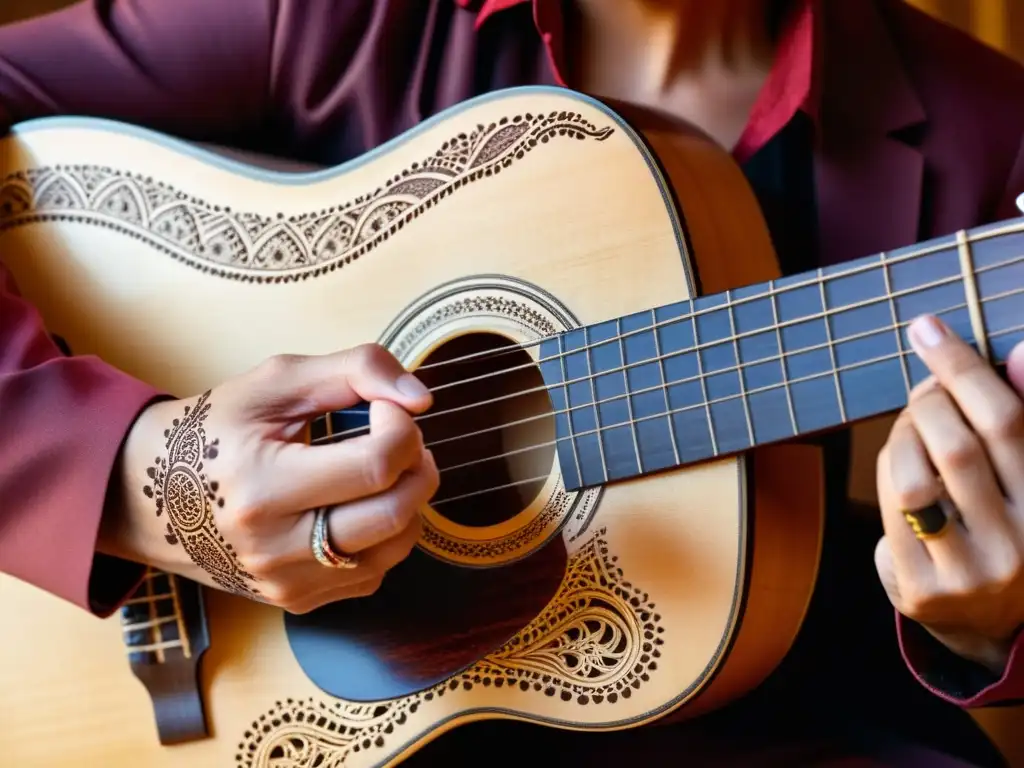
927 331
410 386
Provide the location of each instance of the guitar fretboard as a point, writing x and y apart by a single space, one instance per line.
153 621
724 373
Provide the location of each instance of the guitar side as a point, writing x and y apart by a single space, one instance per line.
510 218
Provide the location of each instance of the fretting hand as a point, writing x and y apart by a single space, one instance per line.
951 489
222 489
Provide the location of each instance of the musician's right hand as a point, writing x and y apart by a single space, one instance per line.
222 487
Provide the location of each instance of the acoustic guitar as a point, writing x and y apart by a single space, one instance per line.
629 520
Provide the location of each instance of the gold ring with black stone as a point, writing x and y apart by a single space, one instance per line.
931 522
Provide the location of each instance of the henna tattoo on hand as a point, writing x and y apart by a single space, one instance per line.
182 490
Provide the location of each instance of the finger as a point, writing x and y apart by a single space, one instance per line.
962 463
1015 368
885 565
329 474
988 404
335 593
362 525
906 481
299 386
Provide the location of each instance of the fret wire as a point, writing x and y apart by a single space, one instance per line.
568 411
767 388
1008 229
158 647
147 599
771 387
329 423
831 348
664 385
703 385
629 399
895 323
782 362
186 642
690 317
739 367
593 400
782 325
154 632
146 624
971 293
699 376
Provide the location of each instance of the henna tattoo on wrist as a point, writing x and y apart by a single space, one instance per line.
182 489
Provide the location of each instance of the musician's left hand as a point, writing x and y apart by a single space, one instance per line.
960 438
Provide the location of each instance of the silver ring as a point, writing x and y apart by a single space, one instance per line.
321 545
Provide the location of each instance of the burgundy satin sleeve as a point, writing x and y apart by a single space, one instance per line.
948 676
188 67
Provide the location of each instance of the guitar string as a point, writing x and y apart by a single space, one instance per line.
734 337
669 412
1008 229
354 431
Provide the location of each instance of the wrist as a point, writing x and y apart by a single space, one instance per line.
991 654
128 528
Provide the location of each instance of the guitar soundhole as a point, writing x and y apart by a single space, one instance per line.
491 428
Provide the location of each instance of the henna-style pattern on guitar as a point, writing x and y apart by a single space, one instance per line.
599 640
182 489
261 248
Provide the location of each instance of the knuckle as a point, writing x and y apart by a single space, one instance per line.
378 470
248 512
396 518
1005 572
369 356
917 601
276 366
1007 421
914 493
960 452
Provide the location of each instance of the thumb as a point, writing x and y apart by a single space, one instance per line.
299 386
885 566
1015 368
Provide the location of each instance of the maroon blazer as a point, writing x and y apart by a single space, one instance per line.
919 134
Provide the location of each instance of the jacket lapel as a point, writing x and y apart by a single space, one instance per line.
869 175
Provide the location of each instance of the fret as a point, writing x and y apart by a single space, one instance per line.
720 374
739 378
831 349
806 358
179 618
661 403
552 368
149 624
782 367
757 348
631 373
583 415
148 599
999 270
971 293
894 318
863 343
684 395
650 425
588 355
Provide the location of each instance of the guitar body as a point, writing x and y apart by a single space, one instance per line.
513 217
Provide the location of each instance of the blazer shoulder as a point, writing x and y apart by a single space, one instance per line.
951 66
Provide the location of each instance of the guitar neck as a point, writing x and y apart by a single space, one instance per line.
725 373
